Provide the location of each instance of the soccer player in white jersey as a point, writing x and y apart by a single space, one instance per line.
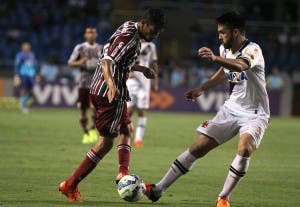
85 56
139 88
246 111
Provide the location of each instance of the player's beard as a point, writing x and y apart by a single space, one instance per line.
228 44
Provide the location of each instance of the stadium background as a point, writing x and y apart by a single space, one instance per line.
55 27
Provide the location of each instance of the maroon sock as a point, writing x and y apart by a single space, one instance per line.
124 157
83 123
87 165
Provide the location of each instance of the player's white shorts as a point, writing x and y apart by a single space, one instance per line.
140 99
226 125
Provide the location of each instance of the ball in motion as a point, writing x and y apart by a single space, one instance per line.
131 188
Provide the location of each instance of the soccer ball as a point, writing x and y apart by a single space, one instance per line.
131 188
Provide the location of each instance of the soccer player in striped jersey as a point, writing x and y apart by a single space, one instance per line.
109 95
245 112
139 89
85 56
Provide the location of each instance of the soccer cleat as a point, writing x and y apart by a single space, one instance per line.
222 202
93 135
119 176
85 138
150 193
72 194
139 143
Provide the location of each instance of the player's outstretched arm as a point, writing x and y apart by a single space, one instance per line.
106 65
217 78
77 63
148 72
238 64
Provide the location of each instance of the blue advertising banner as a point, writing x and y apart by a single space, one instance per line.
166 99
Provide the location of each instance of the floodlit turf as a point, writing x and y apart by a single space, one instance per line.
41 149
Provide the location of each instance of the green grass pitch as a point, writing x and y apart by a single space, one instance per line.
41 149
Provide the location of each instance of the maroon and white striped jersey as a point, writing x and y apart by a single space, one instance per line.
122 49
92 54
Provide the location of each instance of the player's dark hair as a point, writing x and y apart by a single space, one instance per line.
232 20
155 17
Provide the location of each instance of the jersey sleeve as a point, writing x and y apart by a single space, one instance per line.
118 47
253 55
75 54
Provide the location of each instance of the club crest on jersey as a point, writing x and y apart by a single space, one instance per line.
258 132
204 124
237 76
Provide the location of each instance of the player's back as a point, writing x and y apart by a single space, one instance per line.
147 56
122 49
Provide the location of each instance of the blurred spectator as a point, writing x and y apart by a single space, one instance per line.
49 70
275 80
178 75
204 73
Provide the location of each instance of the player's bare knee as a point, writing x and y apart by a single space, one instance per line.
202 146
141 113
125 129
131 127
245 149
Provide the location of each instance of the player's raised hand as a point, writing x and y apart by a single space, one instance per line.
192 94
206 53
17 80
149 73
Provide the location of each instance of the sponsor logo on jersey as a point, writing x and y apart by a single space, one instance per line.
237 76
117 49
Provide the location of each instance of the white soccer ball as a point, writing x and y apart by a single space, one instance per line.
131 188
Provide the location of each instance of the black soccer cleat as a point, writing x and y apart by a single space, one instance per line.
150 193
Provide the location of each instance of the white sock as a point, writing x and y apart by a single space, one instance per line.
140 129
237 170
181 165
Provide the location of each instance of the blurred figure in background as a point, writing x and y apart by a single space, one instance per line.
178 75
49 70
275 80
139 88
85 56
24 75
